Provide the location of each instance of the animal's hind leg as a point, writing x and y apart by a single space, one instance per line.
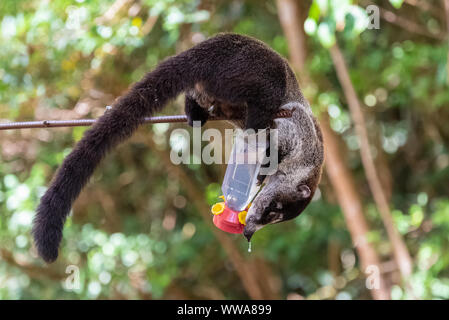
260 113
194 112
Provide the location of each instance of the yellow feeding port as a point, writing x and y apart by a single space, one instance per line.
218 208
242 217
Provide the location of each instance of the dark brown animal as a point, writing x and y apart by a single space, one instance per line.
239 76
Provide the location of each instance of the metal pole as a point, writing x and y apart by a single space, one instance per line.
89 122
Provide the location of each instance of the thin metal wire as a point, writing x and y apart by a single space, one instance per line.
89 122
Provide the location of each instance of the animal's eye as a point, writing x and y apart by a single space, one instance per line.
304 191
273 216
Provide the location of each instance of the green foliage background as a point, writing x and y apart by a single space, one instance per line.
134 232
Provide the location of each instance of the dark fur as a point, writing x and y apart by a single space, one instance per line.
236 74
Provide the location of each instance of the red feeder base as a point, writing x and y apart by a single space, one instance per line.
228 221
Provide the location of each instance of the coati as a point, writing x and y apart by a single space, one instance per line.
241 77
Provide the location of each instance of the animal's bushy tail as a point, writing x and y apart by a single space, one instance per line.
147 96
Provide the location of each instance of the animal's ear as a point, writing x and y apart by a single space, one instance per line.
304 191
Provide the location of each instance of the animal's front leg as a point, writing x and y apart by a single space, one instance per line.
259 116
273 157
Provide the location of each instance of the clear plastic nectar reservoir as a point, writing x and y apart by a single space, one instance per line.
239 184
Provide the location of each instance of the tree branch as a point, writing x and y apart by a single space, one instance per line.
351 204
340 176
400 251
446 10
408 25
33 271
